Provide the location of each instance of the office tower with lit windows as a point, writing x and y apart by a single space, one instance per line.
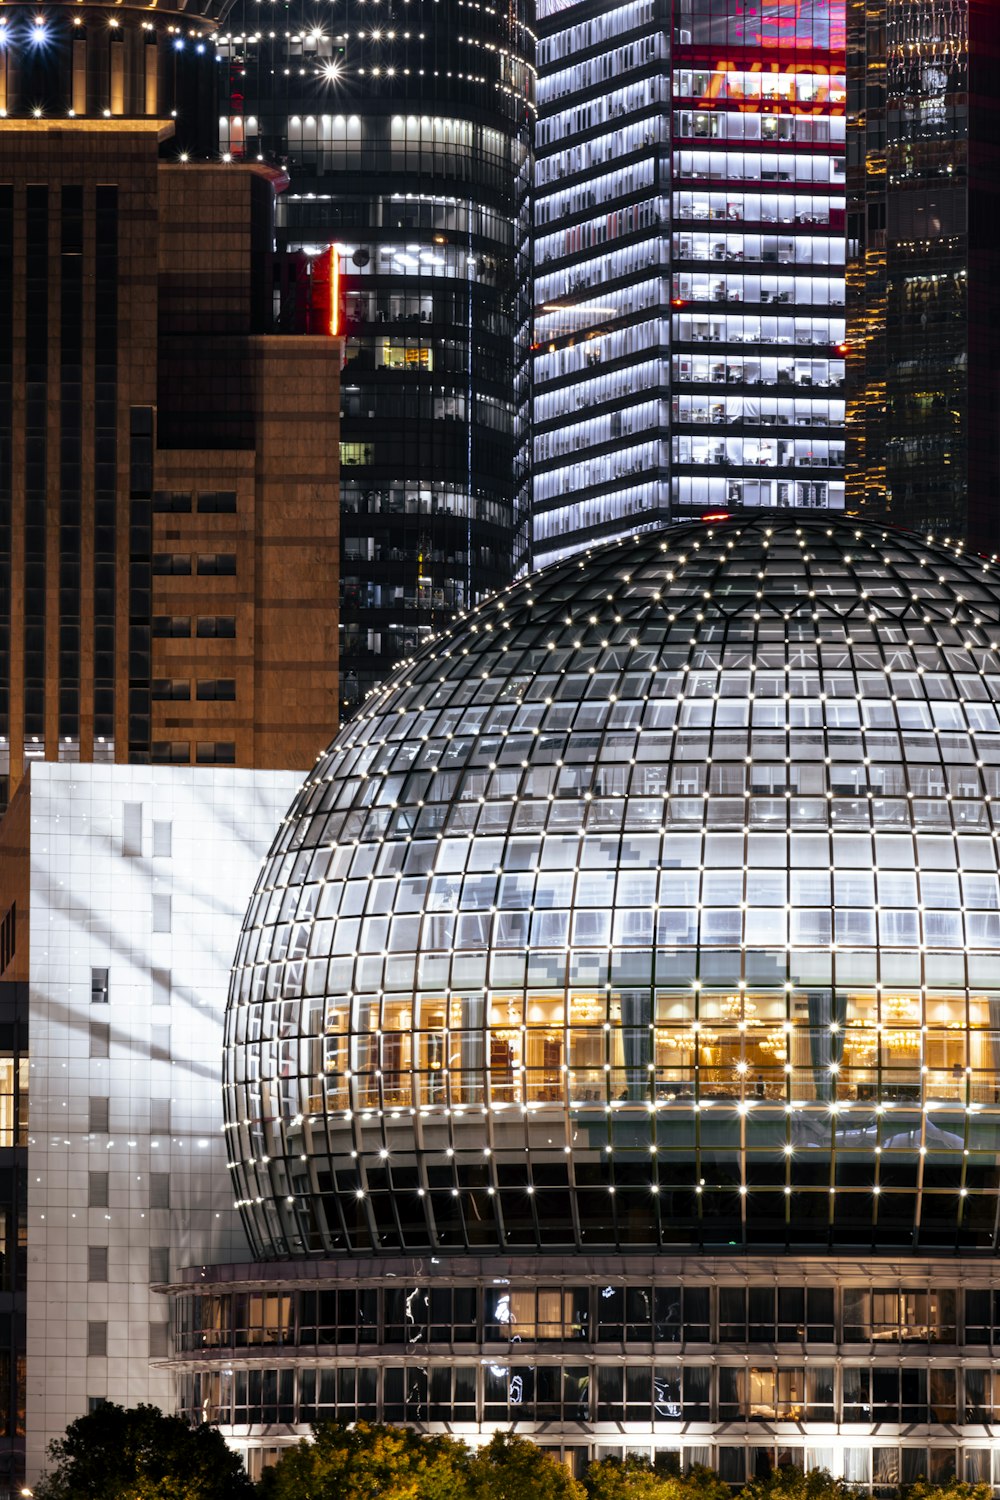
406 130
168 466
924 266
689 263
601 435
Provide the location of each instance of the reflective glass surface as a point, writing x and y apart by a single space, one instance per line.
656 904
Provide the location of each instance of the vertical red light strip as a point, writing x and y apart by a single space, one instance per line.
334 283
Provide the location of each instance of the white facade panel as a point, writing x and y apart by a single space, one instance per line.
164 925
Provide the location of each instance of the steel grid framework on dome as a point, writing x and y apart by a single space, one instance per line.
656 905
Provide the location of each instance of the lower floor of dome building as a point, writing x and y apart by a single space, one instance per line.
880 1371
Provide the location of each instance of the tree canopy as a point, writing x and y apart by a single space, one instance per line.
638 1479
139 1454
790 1483
368 1462
514 1468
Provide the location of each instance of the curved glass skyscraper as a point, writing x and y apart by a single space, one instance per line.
406 127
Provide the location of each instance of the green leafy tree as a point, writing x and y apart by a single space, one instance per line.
789 1483
139 1454
369 1462
952 1491
512 1468
636 1478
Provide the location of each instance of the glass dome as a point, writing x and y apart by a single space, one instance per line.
655 905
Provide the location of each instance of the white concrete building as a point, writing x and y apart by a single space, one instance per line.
128 887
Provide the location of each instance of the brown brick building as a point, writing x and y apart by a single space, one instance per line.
168 468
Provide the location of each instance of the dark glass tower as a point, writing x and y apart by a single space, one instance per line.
406 128
924 266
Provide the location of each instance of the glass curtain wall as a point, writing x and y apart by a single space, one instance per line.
758 255
689 255
405 128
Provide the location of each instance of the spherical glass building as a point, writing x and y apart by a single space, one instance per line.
619 1008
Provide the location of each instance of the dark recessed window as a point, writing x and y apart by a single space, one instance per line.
172 625
171 687
220 564
217 502
171 752
171 502
216 625
216 690
215 753
172 563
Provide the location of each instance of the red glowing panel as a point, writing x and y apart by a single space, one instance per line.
791 23
333 269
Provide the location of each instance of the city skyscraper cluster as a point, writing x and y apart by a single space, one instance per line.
612 1041
408 140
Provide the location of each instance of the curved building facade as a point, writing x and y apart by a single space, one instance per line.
104 61
407 136
614 1038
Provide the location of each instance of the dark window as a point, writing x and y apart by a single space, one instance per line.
216 689
159 1189
8 935
132 829
36 452
222 564
166 563
97 1263
216 625
176 688
172 625
159 1263
99 986
215 753
217 502
171 752
171 502
97 1339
